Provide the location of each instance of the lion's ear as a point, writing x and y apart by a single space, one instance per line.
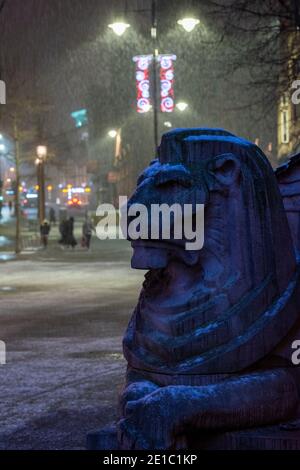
227 169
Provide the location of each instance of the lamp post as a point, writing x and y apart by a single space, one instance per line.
41 151
120 27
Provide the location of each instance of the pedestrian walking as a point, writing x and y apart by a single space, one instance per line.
70 239
87 230
63 231
44 231
52 216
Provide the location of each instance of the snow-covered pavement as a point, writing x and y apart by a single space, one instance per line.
62 316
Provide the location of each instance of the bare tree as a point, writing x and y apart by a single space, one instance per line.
258 34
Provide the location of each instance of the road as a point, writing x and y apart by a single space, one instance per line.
62 316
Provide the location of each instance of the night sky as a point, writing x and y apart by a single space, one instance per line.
62 52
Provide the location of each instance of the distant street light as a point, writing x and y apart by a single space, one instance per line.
188 23
41 151
182 106
113 133
119 28
2 148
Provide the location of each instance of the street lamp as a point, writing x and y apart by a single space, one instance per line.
119 27
188 23
182 106
41 151
112 133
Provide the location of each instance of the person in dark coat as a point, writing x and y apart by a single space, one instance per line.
44 231
52 216
70 239
87 229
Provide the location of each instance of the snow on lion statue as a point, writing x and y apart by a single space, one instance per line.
208 345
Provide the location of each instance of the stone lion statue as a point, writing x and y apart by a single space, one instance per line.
208 345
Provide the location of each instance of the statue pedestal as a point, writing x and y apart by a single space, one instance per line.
279 437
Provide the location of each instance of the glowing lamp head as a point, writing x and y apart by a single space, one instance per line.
188 23
182 106
2 148
41 151
112 134
119 28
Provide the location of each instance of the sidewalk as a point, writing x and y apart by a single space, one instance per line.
63 320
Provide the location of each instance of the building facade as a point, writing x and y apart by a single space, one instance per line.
288 106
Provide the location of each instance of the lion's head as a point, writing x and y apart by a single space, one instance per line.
205 310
